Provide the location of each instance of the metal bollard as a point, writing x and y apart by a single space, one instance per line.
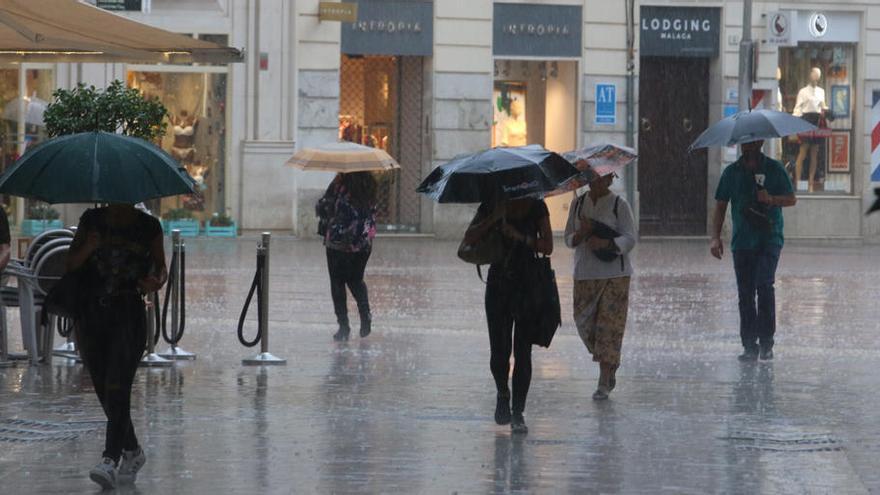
153 360
178 247
264 357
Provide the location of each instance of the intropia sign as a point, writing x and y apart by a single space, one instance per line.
679 31
390 27
537 30
532 29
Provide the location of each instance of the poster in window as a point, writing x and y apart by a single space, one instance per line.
839 152
509 126
840 101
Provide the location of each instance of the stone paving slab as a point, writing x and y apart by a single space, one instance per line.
409 409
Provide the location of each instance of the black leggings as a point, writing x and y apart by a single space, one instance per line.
506 332
347 269
111 338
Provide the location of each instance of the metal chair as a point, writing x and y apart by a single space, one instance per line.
48 265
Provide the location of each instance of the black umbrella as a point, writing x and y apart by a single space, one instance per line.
876 205
498 173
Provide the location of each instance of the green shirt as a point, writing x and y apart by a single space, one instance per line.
738 187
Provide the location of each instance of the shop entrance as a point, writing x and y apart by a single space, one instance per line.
381 104
535 102
673 111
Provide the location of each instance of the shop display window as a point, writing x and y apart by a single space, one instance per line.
24 97
816 84
196 133
381 105
536 102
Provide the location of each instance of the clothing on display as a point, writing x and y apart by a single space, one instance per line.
815 80
184 127
515 132
810 100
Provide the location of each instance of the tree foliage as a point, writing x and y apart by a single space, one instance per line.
114 109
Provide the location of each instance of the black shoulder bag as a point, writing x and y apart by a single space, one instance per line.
540 308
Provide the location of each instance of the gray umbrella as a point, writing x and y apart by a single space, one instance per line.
746 127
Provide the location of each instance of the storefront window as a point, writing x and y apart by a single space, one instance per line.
196 134
535 102
381 105
24 97
816 85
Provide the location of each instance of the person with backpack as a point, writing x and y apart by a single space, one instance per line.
347 223
601 230
519 230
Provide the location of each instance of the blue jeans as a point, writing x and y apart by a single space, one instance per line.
755 276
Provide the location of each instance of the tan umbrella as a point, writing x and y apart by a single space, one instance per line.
342 157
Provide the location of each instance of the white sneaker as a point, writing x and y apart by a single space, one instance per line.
104 474
132 462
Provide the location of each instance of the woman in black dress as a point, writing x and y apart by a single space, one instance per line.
119 254
525 224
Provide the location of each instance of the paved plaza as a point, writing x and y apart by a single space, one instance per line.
409 409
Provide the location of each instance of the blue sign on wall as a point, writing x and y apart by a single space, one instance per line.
730 110
606 104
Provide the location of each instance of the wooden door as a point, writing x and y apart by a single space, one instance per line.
673 111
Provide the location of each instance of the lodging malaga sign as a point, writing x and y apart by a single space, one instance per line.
679 31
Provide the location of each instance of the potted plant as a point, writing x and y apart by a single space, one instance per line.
40 218
181 219
221 225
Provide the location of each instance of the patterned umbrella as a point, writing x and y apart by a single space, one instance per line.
594 161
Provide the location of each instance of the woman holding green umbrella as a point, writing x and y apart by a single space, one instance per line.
119 255
116 257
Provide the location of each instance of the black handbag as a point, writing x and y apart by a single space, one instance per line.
540 308
604 231
65 298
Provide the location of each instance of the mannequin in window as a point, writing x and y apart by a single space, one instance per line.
810 106
514 131
184 128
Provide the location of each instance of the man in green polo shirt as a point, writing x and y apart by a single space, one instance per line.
757 188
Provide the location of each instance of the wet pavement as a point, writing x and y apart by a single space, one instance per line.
409 409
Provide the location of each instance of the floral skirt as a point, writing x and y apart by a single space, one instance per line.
600 310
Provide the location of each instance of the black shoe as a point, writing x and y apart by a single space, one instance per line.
366 325
342 334
766 354
518 424
502 410
750 355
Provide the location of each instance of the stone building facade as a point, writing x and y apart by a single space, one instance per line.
429 80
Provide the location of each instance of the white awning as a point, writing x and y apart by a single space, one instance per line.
73 31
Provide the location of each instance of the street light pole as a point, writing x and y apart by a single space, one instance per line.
746 58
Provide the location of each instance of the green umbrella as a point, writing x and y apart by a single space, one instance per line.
96 167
